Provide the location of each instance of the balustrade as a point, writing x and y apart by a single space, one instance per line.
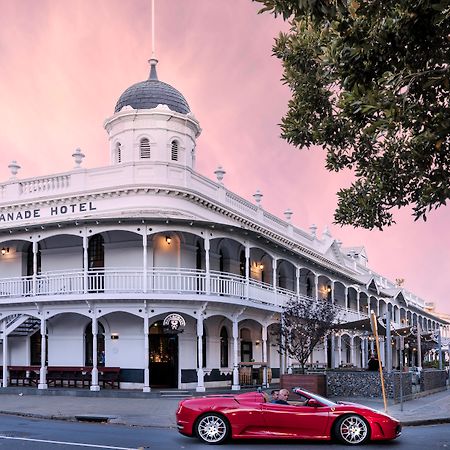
158 280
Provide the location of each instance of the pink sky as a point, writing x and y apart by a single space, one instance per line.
64 64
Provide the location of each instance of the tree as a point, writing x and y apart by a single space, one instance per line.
370 84
303 324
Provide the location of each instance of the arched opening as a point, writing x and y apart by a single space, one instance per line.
118 153
89 347
96 261
144 149
163 356
35 349
242 264
174 151
246 345
223 347
203 349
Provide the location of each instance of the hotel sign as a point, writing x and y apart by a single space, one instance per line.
174 323
49 212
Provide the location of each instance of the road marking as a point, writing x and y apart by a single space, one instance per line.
77 444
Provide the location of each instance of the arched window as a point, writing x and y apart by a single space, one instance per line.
144 148
174 153
88 345
223 347
118 153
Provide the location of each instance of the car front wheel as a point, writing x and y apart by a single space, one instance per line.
352 430
212 428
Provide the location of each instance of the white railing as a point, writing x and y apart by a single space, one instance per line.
155 280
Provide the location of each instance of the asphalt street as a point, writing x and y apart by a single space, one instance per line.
17 433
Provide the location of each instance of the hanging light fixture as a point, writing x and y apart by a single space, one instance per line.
5 250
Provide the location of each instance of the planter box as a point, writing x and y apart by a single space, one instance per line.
314 382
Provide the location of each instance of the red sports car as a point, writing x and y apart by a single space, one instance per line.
215 418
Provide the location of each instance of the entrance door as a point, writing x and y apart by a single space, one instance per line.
163 357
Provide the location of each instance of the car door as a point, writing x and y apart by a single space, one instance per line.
299 421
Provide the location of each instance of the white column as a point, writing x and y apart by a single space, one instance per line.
332 292
5 355
274 274
346 298
147 387
352 351
200 372
339 350
382 357
357 303
235 386
144 260
247 270
94 375
378 307
316 286
325 349
85 264
43 370
207 264
363 352
264 353
282 349
297 281
34 280
333 356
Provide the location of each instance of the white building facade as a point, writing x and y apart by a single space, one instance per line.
105 267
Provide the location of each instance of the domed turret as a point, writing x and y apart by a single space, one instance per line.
152 124
150 93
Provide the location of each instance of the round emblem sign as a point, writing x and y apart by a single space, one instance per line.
174 323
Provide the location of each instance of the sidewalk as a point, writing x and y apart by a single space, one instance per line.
159 411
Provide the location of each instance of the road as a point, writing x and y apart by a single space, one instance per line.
18 433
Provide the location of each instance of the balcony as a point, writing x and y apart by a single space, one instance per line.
155 282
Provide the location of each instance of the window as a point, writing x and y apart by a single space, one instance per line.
144 148
174 151
118 153
223 347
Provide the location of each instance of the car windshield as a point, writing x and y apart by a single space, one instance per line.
319 398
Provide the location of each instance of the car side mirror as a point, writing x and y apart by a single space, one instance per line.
313 403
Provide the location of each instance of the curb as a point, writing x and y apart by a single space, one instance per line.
112 420
420 422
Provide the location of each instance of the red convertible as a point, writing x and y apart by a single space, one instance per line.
215 418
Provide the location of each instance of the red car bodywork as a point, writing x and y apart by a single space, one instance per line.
250 415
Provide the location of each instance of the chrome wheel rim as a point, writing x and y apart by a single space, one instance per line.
212 428
353 430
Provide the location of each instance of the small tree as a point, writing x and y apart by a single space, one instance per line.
303 324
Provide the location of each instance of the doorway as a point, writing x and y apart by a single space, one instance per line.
163 357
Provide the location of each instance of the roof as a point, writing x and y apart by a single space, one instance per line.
150 93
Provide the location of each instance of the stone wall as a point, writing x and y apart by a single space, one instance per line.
433 379
366 384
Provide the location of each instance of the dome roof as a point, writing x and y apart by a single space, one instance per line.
150 93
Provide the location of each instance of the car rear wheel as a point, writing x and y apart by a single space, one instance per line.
212 428
352 430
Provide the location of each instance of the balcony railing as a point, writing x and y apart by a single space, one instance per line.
155 280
